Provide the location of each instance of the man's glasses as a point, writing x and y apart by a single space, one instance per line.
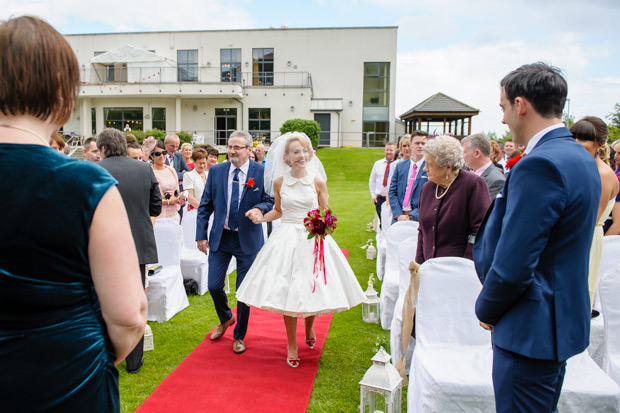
159 153
236 148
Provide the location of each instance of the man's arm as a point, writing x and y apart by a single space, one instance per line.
395 203
535 199
154 196
371 183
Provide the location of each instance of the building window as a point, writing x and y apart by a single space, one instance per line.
262 67
187 63
159 118
377 84
119 117
230 65
259 123
376 134
93 120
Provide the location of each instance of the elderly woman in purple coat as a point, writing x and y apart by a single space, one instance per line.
452 203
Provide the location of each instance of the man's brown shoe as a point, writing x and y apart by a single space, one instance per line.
220 329
238 346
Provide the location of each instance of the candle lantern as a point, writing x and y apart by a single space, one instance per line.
370 306
381 387
371 251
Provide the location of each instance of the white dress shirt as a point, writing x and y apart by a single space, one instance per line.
375 183
243 175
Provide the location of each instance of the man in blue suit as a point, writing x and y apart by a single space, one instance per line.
175 158
234 193
532 249
407 181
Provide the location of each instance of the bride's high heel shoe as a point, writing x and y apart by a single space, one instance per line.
310 342
293 361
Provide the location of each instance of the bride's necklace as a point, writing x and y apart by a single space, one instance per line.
6 125
437 196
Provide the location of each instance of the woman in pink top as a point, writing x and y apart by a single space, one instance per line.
168 183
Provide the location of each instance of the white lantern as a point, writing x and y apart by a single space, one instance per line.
371 251
370 306
381 387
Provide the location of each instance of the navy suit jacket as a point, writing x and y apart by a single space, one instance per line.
398 188
532 251
215 201
179 165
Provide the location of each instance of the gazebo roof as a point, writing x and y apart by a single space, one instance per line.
440 103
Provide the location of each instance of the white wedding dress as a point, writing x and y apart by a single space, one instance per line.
282 277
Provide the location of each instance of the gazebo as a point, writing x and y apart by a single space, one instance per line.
440 114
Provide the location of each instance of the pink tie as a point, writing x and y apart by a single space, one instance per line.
410 186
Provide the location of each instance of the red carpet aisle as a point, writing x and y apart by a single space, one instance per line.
214 379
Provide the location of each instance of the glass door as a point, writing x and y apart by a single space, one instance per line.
225 124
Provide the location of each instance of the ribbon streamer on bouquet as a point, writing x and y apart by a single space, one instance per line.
319 260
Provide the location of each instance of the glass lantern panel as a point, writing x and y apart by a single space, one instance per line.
374 402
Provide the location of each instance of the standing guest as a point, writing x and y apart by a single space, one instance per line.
168 185
71 303
174 158
616 147
232 188
591 132
134 151
212 157
477 156
452 203
194 181
131 138
259 152
147 147
252 156
57 142
186 151
408 179
404 147
90 150
496 154
140 193
509 152
282 277
127 128
381 175
532 250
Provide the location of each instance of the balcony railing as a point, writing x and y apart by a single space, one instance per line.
190 74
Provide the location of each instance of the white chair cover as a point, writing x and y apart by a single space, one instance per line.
609 288
166 294
194 263
406 254
386 222
609 258
396 234
452 359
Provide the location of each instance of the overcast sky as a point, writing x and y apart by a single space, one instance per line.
461 48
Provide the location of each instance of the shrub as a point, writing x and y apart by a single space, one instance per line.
137 133
309 127
185 137
156 133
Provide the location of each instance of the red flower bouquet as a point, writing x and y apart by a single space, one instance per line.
319 223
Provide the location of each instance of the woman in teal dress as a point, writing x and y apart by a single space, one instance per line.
71 302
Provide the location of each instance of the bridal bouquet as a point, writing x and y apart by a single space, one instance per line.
319 223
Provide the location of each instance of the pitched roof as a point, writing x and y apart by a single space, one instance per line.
127 54
440 103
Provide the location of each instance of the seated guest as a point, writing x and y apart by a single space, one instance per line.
476 154
186 151
407 181
194 181
168 184
591 132
452 204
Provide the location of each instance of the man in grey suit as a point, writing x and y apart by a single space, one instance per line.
477 156
140 192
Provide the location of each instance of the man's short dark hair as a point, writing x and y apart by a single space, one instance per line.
134 145
419 133
114 142
541 84
88 140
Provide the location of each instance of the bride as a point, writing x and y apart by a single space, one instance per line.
282 278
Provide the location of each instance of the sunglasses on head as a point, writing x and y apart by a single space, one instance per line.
159 153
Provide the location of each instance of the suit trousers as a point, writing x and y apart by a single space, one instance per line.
218 264
380 201
523 384
134 358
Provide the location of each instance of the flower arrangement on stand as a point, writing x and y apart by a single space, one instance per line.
320 223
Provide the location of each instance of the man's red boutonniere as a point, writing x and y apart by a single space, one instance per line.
250 183
513 161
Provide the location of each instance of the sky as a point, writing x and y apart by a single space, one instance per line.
457 47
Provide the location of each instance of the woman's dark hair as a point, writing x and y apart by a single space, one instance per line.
159 145
590 128
199 154
39 73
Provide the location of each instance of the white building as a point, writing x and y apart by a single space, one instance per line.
213 82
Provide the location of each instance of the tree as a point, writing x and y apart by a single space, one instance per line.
310 127
492 135
614 116
568 120
506 136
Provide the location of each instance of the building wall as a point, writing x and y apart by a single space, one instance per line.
334 58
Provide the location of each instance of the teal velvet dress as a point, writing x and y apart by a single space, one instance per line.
55 354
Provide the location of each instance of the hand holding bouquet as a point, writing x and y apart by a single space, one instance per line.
319 223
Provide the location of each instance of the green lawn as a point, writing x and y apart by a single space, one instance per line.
350 343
